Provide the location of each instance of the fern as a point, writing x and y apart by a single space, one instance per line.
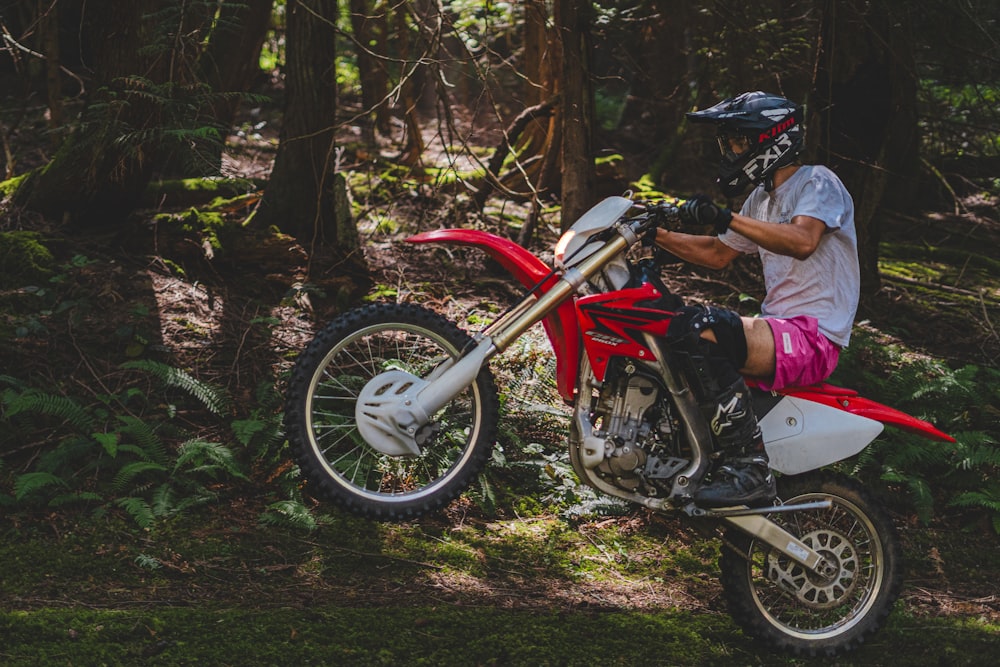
150 563
129 472
108 442
487 497
30 482
139 510
289 514
976 449
33 401
988 498
958 400
597 505
74 498
149 445
12 381
212 458
213 398
163 500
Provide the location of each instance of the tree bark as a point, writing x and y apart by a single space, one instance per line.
99 172
301 196
578 177
413 149
49 27
862 120
370 36
231 58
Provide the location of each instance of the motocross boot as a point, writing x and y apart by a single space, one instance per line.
743 478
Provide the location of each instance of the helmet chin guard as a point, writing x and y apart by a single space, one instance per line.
771 127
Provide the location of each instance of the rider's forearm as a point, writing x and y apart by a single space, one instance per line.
694 248
798 239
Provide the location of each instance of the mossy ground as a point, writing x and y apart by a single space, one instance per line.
215 590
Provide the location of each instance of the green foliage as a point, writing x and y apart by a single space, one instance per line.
289 514
175 121
30 482
960 401
213 398
62 409
24 259
531 458
110 460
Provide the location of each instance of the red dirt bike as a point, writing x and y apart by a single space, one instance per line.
392 411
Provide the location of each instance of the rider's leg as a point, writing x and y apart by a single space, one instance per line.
743 478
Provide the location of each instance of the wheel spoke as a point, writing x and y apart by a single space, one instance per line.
360 357
803 601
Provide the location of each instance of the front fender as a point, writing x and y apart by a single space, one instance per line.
560 325
521 264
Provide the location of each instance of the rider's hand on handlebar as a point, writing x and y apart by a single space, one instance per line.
700 210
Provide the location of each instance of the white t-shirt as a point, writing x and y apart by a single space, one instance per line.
827 284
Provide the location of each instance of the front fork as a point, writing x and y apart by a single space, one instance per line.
394 407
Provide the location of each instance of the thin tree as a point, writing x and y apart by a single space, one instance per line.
573 21
370 29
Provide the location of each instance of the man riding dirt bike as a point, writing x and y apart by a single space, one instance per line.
392 410
800 220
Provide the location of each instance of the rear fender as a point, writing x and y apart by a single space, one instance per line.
560 326
848 400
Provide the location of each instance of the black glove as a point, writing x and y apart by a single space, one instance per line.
699 210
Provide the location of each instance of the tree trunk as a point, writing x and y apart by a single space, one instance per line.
534 65
370 39
413 148
573 22
429 19
99 173
301 195
662 88
862 121
49 27
231 59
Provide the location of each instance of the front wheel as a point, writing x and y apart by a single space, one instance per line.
778 601
322 429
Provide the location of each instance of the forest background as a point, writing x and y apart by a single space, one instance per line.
192 187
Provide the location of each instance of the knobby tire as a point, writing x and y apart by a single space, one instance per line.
808 615
337 463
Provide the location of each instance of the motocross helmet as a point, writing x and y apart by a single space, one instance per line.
770 128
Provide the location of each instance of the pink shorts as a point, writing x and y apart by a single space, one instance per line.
803 355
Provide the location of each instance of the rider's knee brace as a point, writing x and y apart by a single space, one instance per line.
710 367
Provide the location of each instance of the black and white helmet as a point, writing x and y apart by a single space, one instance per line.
772 128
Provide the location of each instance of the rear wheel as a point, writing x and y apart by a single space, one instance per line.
777 600
322 429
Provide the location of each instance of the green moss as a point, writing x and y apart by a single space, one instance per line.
361 593
325 633
966 267
217 186
11 185
24 259
211 227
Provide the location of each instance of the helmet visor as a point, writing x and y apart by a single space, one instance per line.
732 146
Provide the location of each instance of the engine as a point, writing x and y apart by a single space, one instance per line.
642 437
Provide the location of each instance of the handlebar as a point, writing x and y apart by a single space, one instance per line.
654 215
